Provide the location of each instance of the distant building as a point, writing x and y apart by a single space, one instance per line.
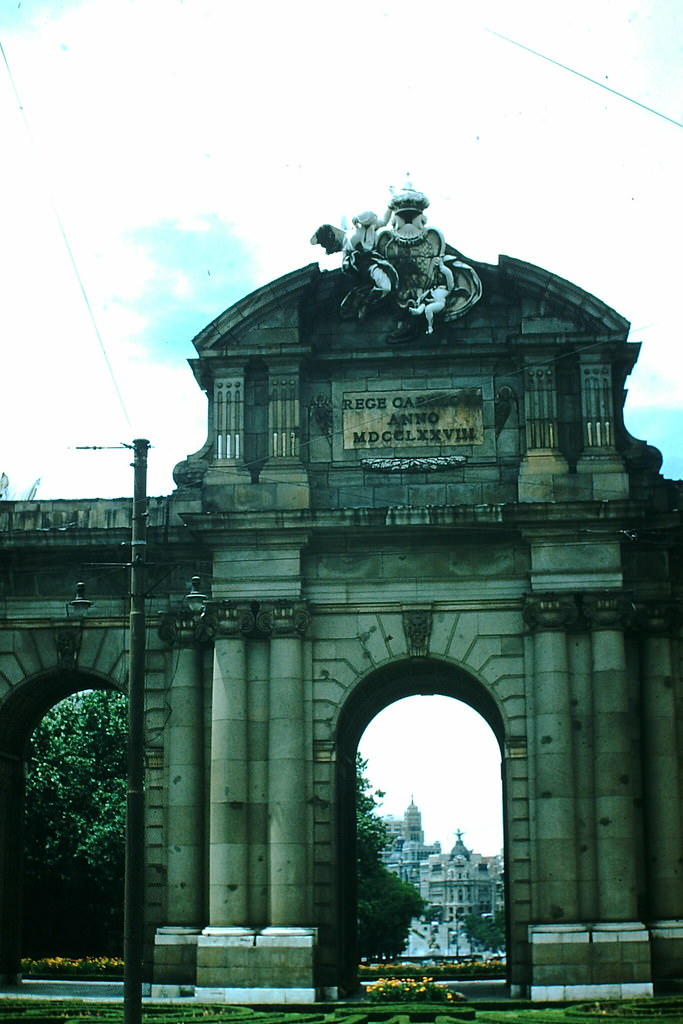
462 882
407 850
453 884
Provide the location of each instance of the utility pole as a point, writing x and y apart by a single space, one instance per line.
133 923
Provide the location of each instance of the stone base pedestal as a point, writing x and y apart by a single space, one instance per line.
667 955
245 965
538 472
608 478
175 956
283 485
599 961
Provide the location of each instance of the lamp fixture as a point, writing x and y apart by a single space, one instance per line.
195 600
78 607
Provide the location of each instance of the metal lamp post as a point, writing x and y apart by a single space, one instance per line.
133 918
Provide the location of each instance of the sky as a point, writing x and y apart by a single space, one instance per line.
163 158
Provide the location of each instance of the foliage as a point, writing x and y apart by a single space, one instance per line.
75 827
386 905
489 932
409 990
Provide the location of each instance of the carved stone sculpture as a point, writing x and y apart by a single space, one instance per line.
407 265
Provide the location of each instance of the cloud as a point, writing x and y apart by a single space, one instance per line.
191 165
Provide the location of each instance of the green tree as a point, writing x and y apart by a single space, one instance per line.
75 828
386 904
488 931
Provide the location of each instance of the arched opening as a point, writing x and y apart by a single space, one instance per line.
438 765
20 713
377 691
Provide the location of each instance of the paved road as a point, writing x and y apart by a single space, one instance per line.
112 991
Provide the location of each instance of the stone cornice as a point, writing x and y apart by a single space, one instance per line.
594 520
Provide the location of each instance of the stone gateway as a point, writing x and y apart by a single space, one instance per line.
416 480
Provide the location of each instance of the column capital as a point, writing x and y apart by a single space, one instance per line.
550 611
657 617
230 618
608 610
179 628
283 618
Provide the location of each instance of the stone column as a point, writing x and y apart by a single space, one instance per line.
258 662
175 942
616 763
288 830
555 874
580 665
228 824
185 787
662 796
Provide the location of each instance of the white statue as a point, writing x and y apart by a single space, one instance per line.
434 299
360 253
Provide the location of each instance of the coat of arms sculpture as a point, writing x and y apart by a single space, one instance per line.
407 264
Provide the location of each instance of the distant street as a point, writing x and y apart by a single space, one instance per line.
432 939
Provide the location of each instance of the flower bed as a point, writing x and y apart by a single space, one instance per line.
410 990
469 970
92 967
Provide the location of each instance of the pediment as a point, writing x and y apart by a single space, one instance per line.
517 298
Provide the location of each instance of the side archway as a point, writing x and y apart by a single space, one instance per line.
20 713
375 692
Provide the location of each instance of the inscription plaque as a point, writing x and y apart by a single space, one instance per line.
412 419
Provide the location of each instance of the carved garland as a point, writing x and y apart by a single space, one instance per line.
428 464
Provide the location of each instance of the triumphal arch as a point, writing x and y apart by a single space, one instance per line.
417 479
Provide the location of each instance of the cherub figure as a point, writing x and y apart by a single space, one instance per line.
433 300
364 237
359 252
360 256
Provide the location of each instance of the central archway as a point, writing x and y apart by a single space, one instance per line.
375 692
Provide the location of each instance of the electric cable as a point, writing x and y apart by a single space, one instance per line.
65 240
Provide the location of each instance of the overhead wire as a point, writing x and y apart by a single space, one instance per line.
586 78
65 240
